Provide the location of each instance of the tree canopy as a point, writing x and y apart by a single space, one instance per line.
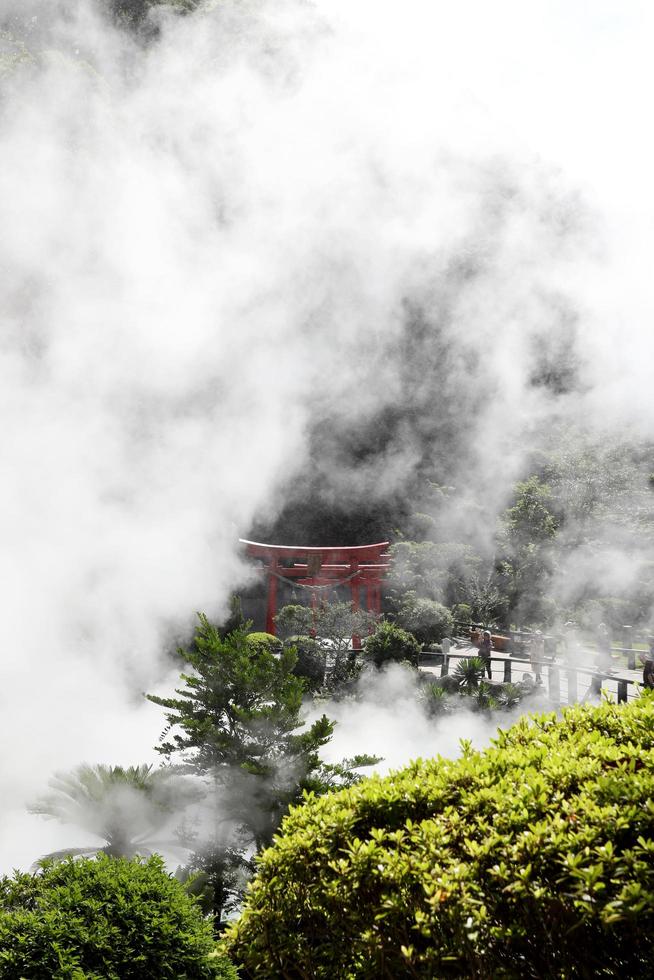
104 919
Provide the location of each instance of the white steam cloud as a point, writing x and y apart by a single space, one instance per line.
210 242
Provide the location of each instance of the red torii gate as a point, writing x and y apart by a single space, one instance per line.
323 568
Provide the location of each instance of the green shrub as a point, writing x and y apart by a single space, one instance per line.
310 663
448 682
427 620
534 859
264 642
390 643
104 919
462 612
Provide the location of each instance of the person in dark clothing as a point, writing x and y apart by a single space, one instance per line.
485 647
647 660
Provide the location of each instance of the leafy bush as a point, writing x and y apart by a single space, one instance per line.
310 663
333 623
462 612
264 642
106 919
534 858
390 643
427 620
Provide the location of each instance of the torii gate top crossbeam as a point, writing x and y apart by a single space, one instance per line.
357 553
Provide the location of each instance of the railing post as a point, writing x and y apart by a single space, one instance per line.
627 643
554 682
572 685
622 690
596 685
445 647
507 671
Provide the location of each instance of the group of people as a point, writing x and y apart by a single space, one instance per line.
536 652
537 655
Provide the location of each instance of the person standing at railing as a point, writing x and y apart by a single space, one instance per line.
485 647
647 660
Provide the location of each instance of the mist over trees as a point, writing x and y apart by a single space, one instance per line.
575 540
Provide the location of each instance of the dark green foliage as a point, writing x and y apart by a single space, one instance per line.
235 619
293 617
311 661
529 527
533 859
530 520
390 643
462 612
432 569
333 622
105 919
135 14
427 620
484 596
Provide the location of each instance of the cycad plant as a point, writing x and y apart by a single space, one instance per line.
483 697
469 673
436 700
509 695
126 807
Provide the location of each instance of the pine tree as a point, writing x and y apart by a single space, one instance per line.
236 721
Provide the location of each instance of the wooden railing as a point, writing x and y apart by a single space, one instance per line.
553 672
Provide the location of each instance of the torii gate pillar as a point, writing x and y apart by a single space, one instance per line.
271 605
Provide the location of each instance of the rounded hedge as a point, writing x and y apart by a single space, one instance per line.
105 919
534 858
264 642
427 620
390 643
